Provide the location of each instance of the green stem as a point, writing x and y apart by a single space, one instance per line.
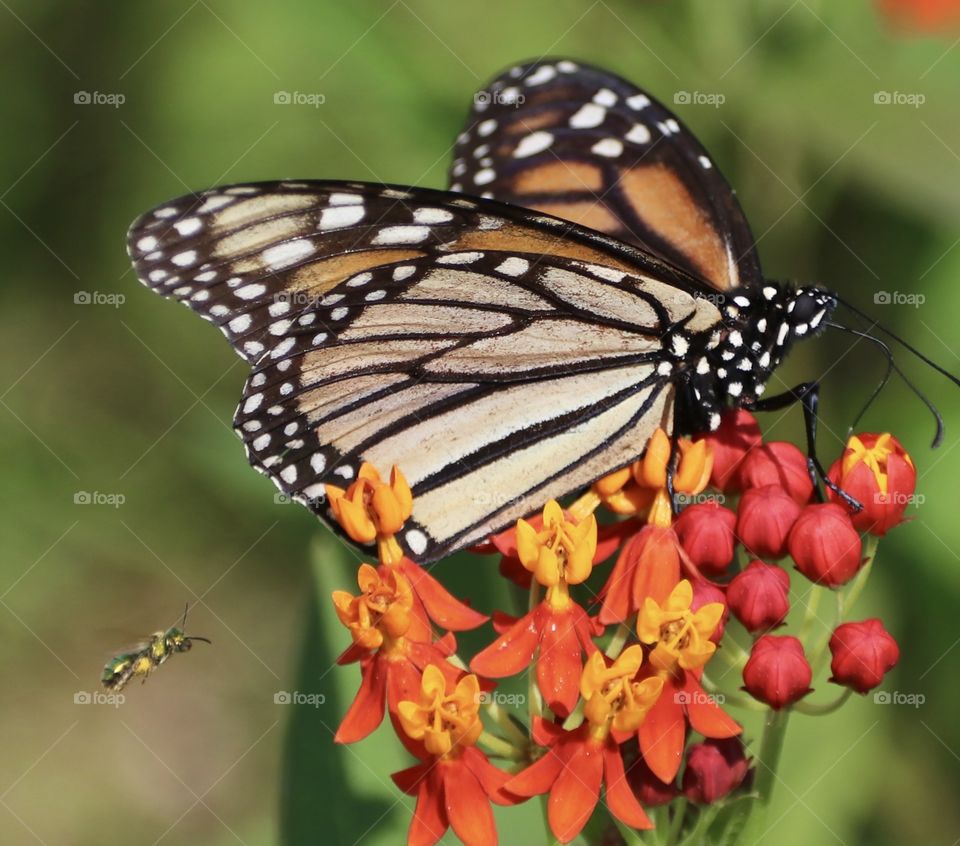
698 834
734 699
771 746
676 821
618 641
820 709
534 699
501 748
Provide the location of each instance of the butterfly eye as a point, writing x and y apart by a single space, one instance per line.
806 306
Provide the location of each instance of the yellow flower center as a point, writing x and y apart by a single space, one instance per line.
380 614
680 636
614 700
875 457
445 722
559 554
370 509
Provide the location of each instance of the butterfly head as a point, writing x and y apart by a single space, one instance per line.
759 326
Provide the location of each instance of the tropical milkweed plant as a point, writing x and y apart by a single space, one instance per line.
556 362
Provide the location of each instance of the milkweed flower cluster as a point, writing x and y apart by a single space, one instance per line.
646 627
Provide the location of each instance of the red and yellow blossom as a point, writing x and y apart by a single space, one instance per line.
391 643
372 510
877 472
649 563
580 762
454 783
558 554
680 643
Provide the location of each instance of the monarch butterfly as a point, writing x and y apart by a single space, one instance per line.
588 278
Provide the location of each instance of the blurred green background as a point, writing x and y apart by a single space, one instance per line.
134 399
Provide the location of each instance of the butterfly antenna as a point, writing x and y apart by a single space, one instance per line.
905 344
888 354
892 366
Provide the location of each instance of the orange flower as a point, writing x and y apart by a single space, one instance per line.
579 762
392 643
681 643
372 510
382 609
559 553
643 486
454 783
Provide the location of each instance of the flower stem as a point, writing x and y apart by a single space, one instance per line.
534 699
501 748
676 822
615 647
771 745
819 710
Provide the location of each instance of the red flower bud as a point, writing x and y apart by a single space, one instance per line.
877 472
825 545
764 519
706 533
760 596
704 593
777 671
862 654
778 463
715 768
648 789
738 433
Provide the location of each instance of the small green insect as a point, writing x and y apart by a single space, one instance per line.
147 656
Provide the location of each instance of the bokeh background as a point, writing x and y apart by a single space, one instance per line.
126 495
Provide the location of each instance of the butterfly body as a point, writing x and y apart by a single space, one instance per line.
501 356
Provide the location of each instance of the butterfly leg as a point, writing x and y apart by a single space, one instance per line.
808 395
672 465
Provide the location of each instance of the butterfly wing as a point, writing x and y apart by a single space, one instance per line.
583 144
499 358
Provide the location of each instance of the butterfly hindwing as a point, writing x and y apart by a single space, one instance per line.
585 145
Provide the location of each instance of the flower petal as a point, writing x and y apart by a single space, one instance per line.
621 800
444 608
662 735
539 777
430 817
511 652
559 663
705 715
576 791
468 807
366 712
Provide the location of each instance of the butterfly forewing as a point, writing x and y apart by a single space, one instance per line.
496 356
582 144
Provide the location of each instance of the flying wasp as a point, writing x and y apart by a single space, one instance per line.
147 656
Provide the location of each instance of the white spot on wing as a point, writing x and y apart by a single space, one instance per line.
535 142
588 116
290 252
